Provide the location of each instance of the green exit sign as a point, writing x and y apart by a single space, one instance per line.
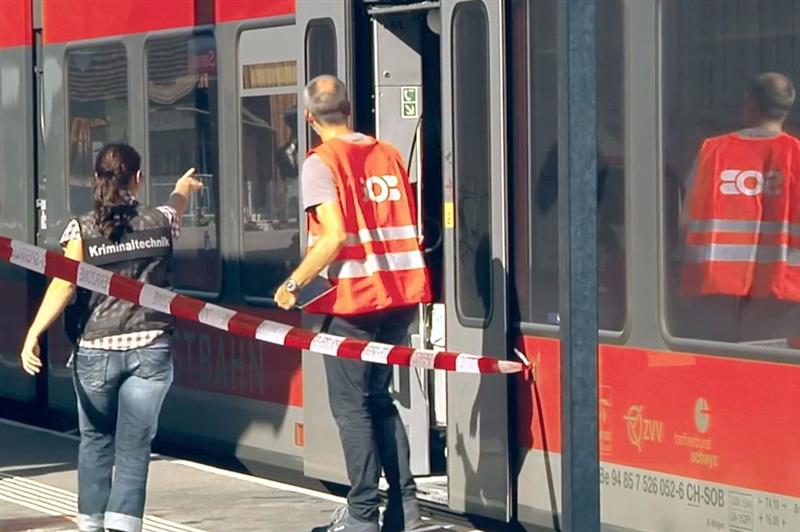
409 102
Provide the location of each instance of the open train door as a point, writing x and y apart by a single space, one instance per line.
475 214
325 33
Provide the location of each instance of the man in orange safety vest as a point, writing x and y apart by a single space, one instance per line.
362 234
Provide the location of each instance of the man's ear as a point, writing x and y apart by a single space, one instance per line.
138 177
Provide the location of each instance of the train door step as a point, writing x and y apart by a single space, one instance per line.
429 489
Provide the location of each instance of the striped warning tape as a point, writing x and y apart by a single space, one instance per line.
239 323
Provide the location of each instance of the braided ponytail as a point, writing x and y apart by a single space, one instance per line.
114 206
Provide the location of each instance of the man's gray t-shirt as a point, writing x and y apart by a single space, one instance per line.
316 179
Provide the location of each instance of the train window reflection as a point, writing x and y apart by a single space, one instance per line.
533 78
472 162
97 92
182 133
269 176
730 171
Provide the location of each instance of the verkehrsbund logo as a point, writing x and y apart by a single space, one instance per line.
702 415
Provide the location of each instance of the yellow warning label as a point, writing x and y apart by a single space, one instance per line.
449 215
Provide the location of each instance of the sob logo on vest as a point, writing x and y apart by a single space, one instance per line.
750 183
380 188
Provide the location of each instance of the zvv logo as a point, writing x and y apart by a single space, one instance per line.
642 429
750 183
382 188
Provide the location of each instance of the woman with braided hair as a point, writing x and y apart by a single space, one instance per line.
122 366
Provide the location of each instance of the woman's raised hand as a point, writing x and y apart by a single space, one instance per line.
187 184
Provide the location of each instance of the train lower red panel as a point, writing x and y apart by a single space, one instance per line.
710 418
212 360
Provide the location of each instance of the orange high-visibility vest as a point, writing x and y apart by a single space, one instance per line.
381 265
743 223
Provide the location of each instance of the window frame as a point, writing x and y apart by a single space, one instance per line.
241 92
145 48
94 44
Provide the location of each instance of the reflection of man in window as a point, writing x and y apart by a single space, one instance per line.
742 220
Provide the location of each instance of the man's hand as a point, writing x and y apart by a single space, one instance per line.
285 299
30 356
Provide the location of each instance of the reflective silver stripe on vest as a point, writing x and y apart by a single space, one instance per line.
743 253
380 234
372 264
717 225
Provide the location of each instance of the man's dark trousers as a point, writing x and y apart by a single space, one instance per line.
370 428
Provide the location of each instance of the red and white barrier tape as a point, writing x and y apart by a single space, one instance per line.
239 323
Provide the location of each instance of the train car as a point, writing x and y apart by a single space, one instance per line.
18 133
696 426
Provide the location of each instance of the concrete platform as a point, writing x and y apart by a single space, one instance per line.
38 486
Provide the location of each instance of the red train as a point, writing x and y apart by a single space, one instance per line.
698 429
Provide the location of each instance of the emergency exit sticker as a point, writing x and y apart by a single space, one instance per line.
409 102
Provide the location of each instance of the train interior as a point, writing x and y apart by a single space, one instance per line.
407 94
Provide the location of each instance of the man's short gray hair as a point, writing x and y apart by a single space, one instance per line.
327 101
773 94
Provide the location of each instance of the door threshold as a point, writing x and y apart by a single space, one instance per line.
429 489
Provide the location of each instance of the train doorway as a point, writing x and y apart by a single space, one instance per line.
439 95
407 105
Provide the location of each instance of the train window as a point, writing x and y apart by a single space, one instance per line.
182 133
321 48
270 194
472 162
97 93
320 57
730 240
534 164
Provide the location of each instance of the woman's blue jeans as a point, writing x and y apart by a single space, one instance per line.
120 394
